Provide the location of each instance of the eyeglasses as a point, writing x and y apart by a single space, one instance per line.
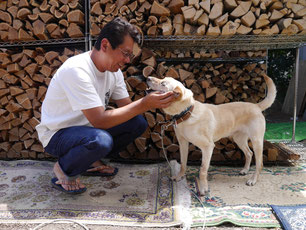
127 54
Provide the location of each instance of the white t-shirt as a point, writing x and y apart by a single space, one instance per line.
77 85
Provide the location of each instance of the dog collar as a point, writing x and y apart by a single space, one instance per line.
184 115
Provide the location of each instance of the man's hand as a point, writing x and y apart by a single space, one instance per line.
105 119
158 100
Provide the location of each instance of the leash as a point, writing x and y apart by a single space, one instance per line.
164 127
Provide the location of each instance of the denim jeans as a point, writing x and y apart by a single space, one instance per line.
78 147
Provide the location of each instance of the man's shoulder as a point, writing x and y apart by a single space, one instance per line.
77 60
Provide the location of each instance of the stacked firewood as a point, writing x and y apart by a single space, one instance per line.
25 73
210 83
161 54
26 20
25 76
206 17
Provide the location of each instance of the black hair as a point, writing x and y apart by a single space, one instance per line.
115 31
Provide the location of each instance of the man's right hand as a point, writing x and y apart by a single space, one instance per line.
105 119
158 100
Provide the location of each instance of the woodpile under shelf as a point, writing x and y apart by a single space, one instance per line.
215 76
27 20
211 83
25 76
206 17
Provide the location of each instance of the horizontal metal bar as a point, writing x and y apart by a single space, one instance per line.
197 60
236 42
62 41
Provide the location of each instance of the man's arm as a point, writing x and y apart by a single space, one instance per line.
123 102
105 119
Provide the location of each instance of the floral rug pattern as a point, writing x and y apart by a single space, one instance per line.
137 195
230 200
143 195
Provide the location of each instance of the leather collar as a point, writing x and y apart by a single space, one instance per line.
183 116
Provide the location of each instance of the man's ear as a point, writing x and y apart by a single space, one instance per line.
177 93
104 44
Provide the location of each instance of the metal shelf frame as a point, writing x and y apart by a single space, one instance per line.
50 42
213 60
235 42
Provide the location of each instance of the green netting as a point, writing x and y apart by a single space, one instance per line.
276 132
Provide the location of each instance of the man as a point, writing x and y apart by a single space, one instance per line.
75 125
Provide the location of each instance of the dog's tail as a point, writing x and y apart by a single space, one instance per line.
268 101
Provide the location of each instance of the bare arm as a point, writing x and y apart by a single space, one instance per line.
105 119
123 102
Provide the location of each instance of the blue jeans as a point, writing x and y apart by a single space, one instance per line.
78 147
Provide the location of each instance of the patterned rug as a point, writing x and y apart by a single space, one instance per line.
291 217
230 200
139 195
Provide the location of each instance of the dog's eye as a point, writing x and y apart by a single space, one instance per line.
163 83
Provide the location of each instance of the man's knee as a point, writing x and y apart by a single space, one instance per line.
100 143
140 124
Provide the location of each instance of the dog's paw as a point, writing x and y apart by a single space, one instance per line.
205 193
243 172
203 190
251 182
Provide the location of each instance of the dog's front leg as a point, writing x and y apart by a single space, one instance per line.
183 143
206 156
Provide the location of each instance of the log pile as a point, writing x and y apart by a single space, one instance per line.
25 76
27 20
208 54
206 17
210 83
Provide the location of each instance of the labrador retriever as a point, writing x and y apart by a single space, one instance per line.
208 123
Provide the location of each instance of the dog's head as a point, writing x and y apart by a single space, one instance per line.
184 96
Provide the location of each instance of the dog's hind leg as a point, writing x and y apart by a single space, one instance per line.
258 148
206 157
241 139
183 143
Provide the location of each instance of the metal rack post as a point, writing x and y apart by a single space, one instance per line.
86 3
296 78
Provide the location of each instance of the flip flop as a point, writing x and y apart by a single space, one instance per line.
98 173
60 188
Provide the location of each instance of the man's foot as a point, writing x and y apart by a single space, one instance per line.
59 187
65 182
98 168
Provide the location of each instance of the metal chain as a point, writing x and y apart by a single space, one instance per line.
162 132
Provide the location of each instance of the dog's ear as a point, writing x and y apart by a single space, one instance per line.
178 93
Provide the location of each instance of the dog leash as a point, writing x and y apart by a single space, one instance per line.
164 127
